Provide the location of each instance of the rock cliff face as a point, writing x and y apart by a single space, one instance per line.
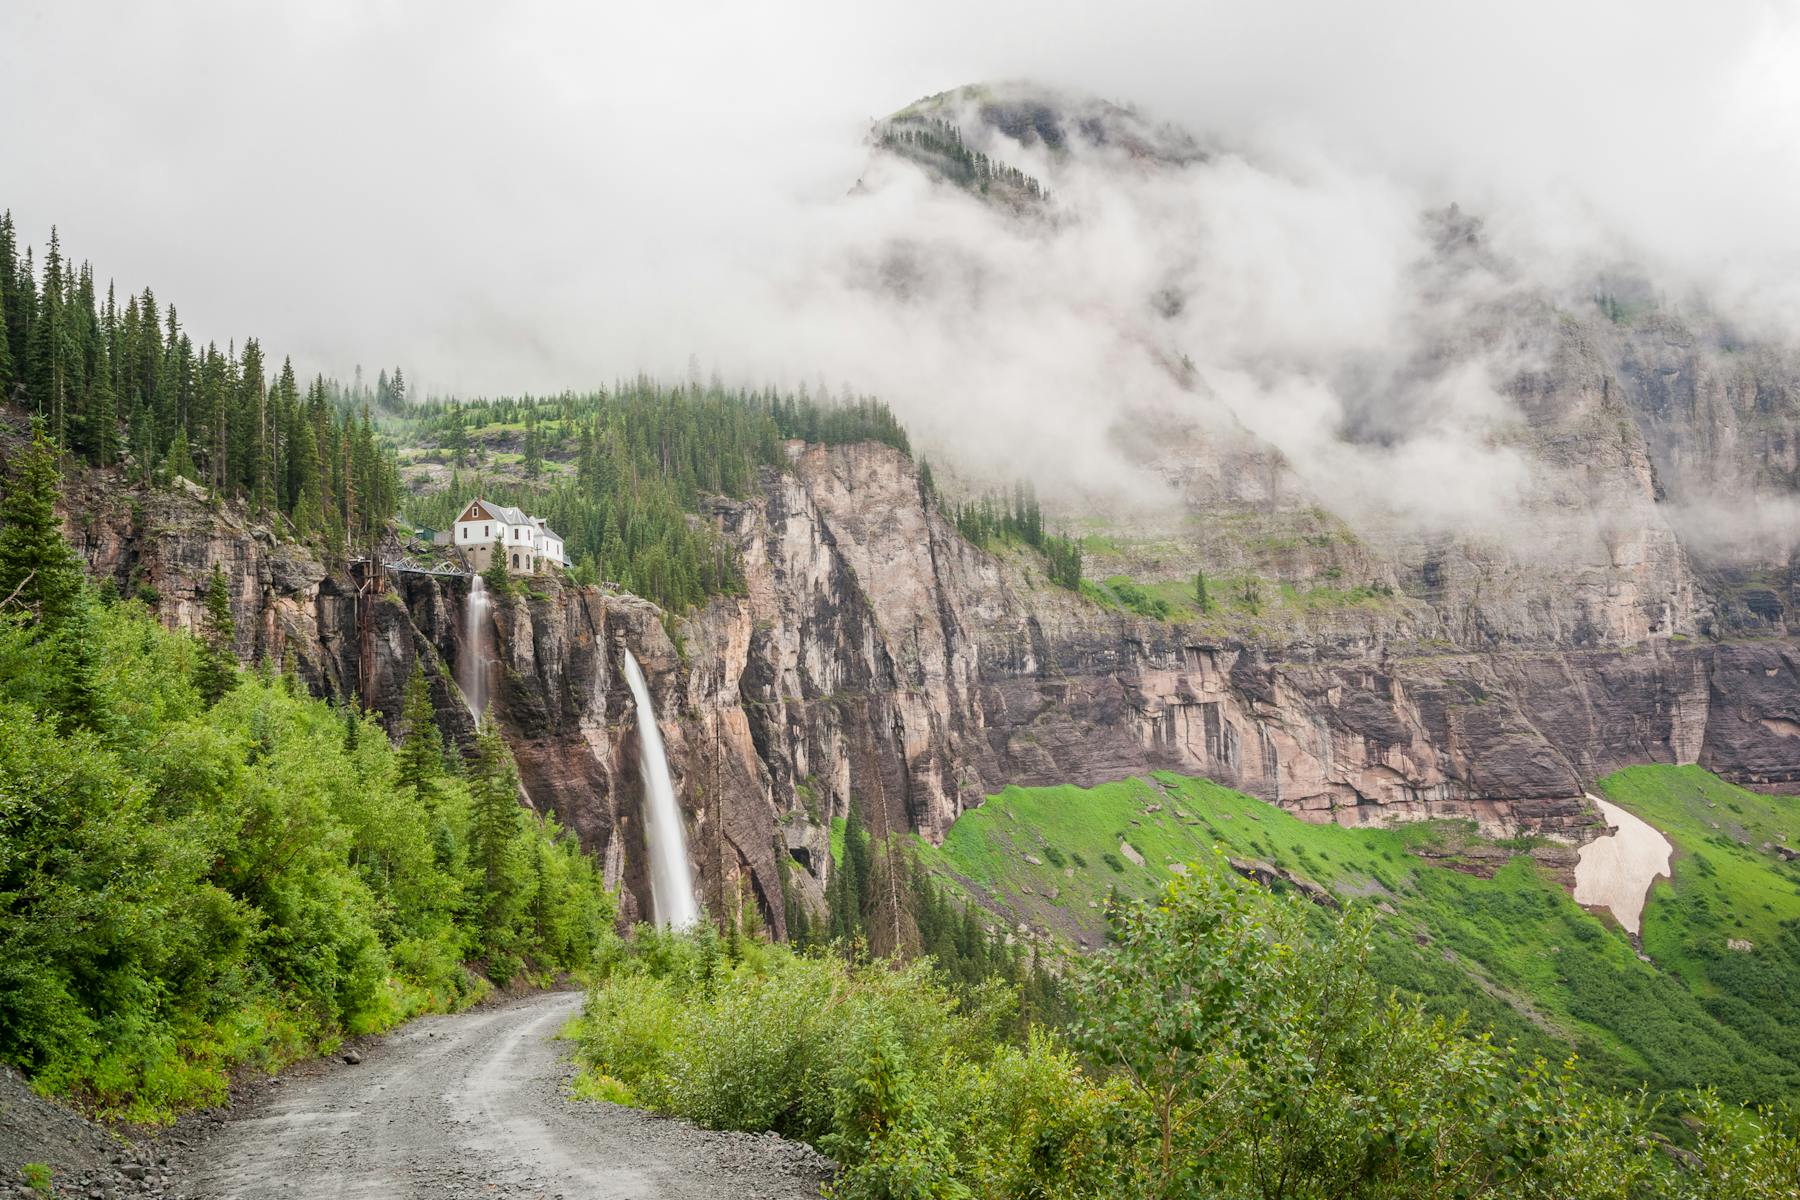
875 654
1631 599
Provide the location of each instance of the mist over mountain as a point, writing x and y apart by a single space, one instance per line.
1358 255
610 212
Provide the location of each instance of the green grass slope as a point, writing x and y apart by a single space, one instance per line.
1513 950
1728 922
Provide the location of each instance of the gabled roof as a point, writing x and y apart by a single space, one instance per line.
500 512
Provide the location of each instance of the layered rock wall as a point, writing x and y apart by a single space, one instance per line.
877 657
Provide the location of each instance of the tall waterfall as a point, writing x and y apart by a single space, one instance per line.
472 660
671 884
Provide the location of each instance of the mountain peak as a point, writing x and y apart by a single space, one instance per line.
1061 120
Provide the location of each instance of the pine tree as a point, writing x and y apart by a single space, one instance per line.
39 572
7 370
12 311
103 422
850 898
498 580
46 381
457 442
253 421
534 453
218 669
78 695
493 832
1200 597
421 752
180 461
143 444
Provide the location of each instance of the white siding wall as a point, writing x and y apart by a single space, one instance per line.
480 539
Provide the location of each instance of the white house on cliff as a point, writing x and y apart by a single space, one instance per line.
523 542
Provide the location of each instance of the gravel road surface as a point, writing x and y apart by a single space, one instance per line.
476 1105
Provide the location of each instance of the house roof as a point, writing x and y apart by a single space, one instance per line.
501 512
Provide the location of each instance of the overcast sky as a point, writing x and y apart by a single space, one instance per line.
506 196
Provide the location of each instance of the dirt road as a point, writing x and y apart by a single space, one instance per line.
476 1105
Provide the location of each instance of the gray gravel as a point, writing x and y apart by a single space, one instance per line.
470 1105
82 1155
477 1105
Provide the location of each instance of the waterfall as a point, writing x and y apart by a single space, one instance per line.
671 885
472 661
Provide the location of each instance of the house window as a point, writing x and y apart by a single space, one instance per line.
515 560
484 531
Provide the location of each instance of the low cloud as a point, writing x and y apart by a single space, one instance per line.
551 196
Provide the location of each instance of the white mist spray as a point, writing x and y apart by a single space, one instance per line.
671 883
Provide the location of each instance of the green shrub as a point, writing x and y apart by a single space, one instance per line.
1225 1043
189 888
1138 600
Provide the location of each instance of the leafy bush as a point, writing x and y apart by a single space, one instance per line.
1138 600
1225 1044
186 887
888 1068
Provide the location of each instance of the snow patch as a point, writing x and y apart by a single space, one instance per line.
1615 872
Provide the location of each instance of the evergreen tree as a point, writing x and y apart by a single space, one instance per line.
498 581
1201 599
217 672
78 696
103 422
457 439
848 894
421 750
180 461
143 444
39 572
12 311
45 381
7 370
493 831
534 451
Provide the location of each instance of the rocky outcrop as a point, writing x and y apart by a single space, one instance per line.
876 657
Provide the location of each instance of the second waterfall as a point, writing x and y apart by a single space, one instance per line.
671 882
